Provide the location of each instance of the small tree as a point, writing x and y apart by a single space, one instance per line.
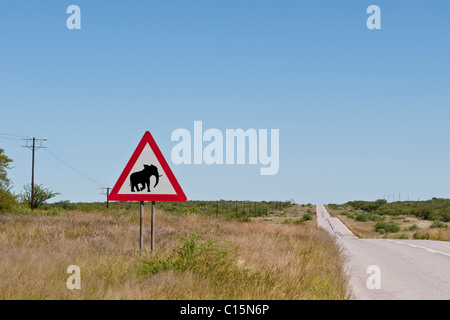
7 199
4 165
41 194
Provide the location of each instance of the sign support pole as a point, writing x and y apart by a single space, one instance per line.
141 230
153 227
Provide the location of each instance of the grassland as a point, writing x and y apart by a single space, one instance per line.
278 255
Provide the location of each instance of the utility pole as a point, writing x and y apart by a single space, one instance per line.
33 147
106 194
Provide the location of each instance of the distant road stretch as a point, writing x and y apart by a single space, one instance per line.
390 268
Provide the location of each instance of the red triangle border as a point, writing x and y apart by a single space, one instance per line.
179 196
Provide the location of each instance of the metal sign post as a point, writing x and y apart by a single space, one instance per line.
141 227
153 227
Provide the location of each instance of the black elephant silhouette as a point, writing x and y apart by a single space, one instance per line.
143 177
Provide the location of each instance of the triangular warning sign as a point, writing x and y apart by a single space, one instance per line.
147 176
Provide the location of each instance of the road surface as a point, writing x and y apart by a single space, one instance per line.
390 268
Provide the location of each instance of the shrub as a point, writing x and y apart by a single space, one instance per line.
41 195
386 227
362 217
420 236
307 216
7 201
438 224
368 206
193 254
20 209
333 206
244 218
413 227
65 204
424 212
53 212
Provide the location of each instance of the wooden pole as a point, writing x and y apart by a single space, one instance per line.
153 227
107 198
32 174
141 228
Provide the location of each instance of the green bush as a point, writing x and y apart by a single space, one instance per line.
362 217
421 236
413 227
20 209
7 200
333 206
41 195
438 224
193 254
386 227
307 216
368 206
53 212
424 212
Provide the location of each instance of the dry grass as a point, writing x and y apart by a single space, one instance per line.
267 260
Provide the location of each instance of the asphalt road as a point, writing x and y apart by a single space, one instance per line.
389 268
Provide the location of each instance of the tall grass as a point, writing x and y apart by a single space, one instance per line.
197 257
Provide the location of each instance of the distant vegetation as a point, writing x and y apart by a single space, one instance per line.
400 220
434 209
236 210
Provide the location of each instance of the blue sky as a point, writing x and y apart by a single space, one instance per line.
362 113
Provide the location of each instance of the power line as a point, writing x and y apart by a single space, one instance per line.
37 143
12 134
75 170
9 138
77 166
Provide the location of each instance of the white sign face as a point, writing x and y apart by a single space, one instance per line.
147 176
